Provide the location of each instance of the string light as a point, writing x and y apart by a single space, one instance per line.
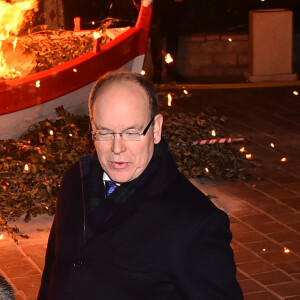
284 159
1 236
242 149
70 134
185 92
43 157
249 156
51 132
143 72
74 70
169 99
26 168
272 145
230 39
295 93
168 58
213 132
286 250
38 83
264 250
206 170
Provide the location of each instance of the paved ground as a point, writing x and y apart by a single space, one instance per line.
264 211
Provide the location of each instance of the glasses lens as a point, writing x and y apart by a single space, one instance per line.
131 136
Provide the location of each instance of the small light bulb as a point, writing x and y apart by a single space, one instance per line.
1 236
38 83
51 132
230 39
44 157
74 70
242 149
264 250
185 92
143 72
286 250
213 133
70 134
206 170
295 93
169 99
249 156
26 168
284 159
272 145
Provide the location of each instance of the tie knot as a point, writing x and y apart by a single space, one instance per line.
110 186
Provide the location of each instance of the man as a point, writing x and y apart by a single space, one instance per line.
155 236
166 23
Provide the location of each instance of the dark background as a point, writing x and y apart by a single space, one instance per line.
200 16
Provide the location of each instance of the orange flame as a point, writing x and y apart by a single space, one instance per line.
13 15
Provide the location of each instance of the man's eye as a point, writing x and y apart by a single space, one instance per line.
105 133
132 133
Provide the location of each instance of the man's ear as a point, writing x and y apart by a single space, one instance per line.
158 122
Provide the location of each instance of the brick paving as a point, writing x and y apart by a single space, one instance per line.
264 211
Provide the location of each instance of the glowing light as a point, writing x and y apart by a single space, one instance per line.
206 170
26 168
295 93
168 58
51 132
93 22
284 159
249 156
1 236
185 92
262 0
242 149
213 133
38 83
70 134
97 34
143 72
74 70
169 99
230 39
264 250
44 157
272 145
286 250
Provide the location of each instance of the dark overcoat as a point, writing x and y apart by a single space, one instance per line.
157 237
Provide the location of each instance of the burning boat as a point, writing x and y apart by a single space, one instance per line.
32 98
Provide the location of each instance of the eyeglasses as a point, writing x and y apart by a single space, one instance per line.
127 135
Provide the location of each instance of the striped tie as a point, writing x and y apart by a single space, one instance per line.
110 186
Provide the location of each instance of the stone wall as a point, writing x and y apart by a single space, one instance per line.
213 55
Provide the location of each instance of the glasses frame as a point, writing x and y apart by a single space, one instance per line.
143 132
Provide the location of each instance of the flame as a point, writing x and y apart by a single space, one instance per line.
168 58
26 168
169 99
13 16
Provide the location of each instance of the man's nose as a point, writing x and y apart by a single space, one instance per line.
117 144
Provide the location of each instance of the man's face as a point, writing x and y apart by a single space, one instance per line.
119 106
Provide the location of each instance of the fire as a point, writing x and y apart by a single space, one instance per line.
13 16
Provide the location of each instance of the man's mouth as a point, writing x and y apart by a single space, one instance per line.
119 164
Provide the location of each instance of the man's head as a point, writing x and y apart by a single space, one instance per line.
119 102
